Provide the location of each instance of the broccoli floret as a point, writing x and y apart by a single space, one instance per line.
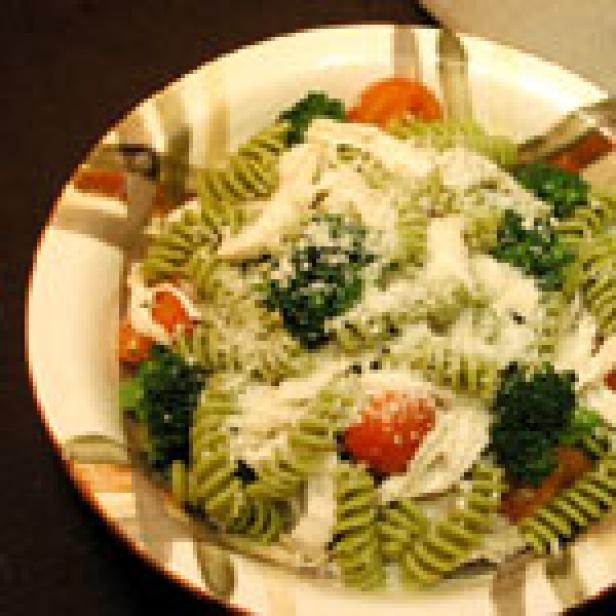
313 105
537 251
322 278
532 411
163 395
563 190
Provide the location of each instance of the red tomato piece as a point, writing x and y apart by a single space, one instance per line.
100 181
394 98
581 154
522 501
391 429
133 347
161 204
168 311
610 380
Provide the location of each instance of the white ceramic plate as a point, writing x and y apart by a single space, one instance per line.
76 295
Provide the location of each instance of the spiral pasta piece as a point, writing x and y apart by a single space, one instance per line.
412 230
598 444
356 547
213 486
203 271
370 168
309 442
571 511
589 220
554 306
446 546
445 366
402 523
260 520
250 173
268 355
173 247
449 134
481 224
593 273
358 331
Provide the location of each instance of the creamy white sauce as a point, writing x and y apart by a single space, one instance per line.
192 205
465 337
403 381
575 349
462 169
347 191
602 400
399 157
402 157
314 528
266 408
447 256
400 295
506 286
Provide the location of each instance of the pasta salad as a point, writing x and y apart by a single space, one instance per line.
373 343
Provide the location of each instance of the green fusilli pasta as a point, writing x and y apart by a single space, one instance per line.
371 169
359 330
206 273
173 247
445 366
401 525
481 224
250 173
445 547
213 486
309 442
598 444
267 356
571 511
553 306
448 134
443 308
593 273
589 220
412 231
356 547
261 520
358 333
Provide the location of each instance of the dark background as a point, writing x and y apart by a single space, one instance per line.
68 69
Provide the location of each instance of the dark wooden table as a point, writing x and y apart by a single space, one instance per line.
69 69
